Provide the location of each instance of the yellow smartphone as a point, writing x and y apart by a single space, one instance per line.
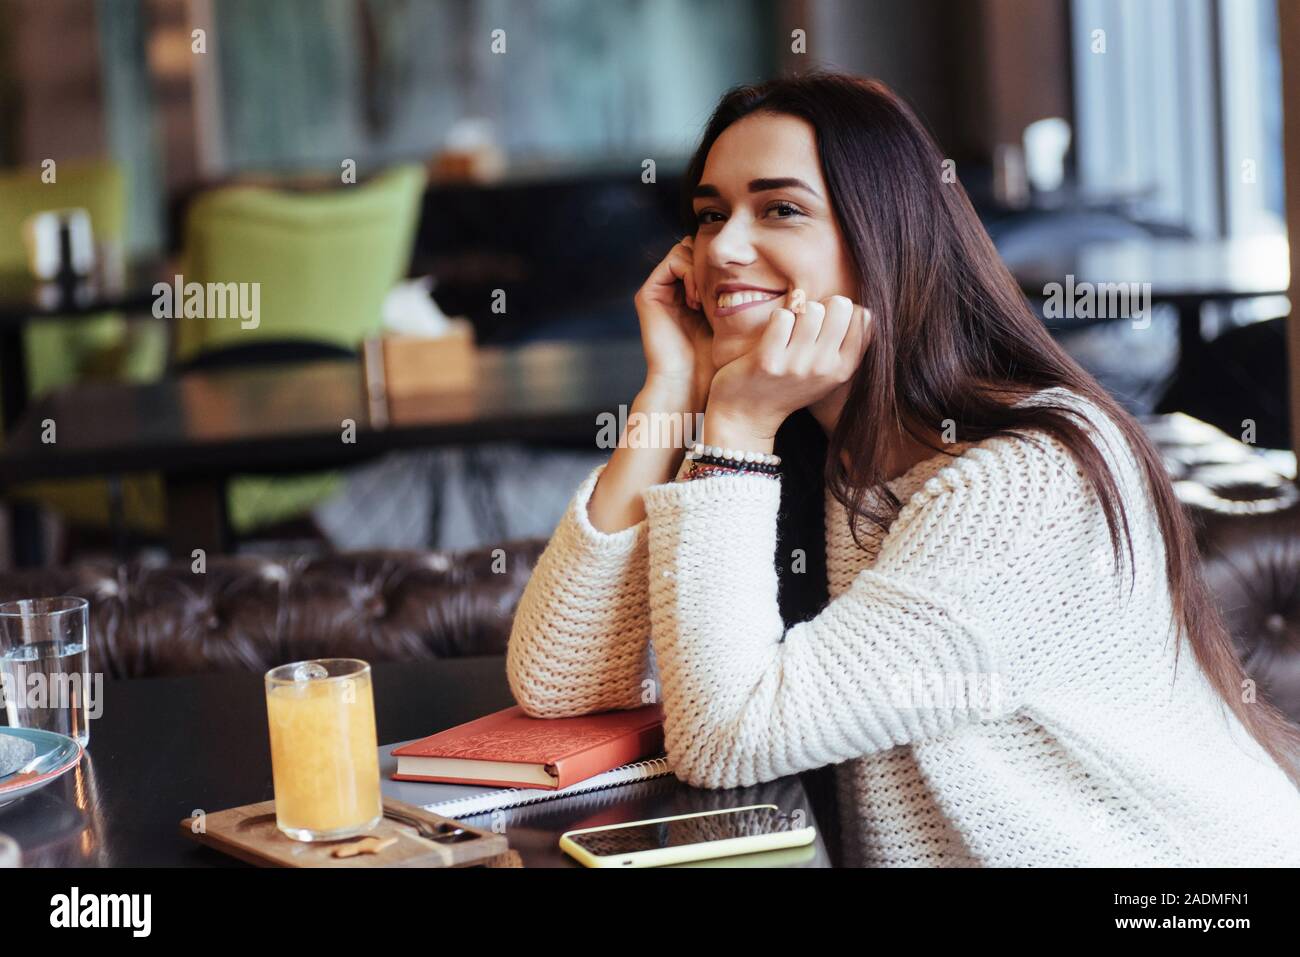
688 837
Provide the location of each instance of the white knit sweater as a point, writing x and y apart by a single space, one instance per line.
988 689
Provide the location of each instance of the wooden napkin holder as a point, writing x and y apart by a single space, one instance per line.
398 366
249 834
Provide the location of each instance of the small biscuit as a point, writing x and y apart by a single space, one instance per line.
14 753
798 301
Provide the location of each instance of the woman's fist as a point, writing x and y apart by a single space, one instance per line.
799 360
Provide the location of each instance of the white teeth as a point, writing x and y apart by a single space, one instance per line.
727 299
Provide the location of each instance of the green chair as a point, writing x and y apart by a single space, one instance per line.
323 262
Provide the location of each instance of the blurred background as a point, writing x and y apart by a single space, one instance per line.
478 188
314 314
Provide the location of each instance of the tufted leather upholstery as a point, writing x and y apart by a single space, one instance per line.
1246 509
253 613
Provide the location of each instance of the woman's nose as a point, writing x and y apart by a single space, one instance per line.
732 244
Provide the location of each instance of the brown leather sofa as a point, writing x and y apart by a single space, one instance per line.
254 613
247 613
1247 516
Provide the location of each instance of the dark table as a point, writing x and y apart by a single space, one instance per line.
200 428
1186 273
166 747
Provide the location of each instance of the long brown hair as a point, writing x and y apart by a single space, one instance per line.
950 331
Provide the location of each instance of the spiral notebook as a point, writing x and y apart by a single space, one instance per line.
461 800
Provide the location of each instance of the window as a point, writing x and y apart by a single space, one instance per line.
1178 106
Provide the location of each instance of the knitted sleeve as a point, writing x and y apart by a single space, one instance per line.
910 650
580 641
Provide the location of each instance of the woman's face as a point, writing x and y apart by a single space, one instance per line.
764 226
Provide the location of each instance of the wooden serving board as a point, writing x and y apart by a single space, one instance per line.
249 833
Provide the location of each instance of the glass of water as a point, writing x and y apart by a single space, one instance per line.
44 664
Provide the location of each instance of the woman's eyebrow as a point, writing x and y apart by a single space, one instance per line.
760 186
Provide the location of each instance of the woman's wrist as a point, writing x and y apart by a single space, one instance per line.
656 430
665 393
646 454
733 429
732 444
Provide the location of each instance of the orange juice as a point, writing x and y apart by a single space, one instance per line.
324 753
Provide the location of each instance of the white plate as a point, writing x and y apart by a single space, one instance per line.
58 754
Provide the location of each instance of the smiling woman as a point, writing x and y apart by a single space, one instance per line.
947 514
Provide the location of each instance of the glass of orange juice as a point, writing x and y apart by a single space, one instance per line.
324 751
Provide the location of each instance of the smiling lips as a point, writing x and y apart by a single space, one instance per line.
730 303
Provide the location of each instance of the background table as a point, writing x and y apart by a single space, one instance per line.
167 747
200 428
1186 273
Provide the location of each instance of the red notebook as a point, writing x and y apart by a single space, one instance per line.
510 749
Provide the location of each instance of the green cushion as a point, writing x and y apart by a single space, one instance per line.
256 501
323 261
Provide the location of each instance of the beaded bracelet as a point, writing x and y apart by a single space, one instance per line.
699 470
708 460
703 452
733 465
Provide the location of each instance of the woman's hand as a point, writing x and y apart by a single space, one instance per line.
678 345
674 332
799 361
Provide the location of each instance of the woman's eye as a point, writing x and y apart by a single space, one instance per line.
789 208
785 210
